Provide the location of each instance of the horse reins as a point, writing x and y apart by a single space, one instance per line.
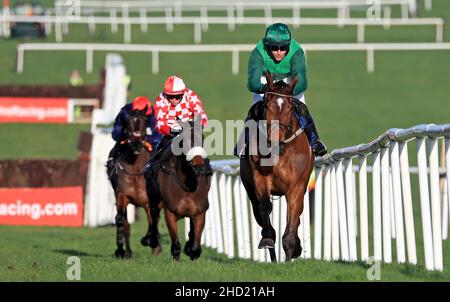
295 133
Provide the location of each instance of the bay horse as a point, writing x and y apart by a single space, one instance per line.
128 183
180 184
289 173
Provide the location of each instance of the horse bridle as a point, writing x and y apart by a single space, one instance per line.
286 128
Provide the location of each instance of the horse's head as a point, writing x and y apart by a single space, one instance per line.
136 129
278 106
196 155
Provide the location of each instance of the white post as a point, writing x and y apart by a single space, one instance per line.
48 25
178 11
376 191
235 61
89 59
238 215
360 32
349 191
391 206
428 5
268 14
126 31
169 20
343 233
447 174
255 238
387 17
435 204
318 215
223 211
276 223
245 221
327 215
231 19
363 217
407 203
386 205
155 61
306 226
283 222
217 213
212 217
204 18
334 216
240 11
91 25
229 217
440 32
20 57
113 17
58 30
296 14
197 32
370 60
405 11
143 15
397 192
425 203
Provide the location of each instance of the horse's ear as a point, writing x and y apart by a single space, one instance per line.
269 80
293 82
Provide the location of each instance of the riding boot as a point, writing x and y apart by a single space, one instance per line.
254 113
110 164
307 123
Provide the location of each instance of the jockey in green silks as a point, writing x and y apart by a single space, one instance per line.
283 57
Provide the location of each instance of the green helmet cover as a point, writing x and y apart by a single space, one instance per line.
277 34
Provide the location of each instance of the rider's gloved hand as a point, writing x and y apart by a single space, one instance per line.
148 146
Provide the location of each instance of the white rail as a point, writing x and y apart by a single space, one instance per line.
369 48
201 24
336 218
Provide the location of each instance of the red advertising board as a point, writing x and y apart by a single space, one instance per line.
42 206
33 110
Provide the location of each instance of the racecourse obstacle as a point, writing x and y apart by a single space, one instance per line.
337 201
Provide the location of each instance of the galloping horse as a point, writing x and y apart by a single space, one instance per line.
288 175
181 183
129 184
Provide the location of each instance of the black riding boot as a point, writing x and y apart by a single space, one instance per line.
254 113
110 164
307 122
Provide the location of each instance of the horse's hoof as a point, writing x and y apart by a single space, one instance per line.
195 254
187 248
266 243
120 253
146 240
157 250
176 258
128 254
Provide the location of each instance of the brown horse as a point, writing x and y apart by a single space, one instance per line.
287 175
181 183
129 184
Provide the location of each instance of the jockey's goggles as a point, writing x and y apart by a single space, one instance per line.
173 96
277 48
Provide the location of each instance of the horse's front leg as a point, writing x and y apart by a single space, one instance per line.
199 224
151 239
122 227
291 242
171 221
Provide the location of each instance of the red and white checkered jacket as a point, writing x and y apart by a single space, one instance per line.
185 110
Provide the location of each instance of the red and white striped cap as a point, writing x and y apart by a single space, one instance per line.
174 85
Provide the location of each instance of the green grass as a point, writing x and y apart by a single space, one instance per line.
40 254
350 106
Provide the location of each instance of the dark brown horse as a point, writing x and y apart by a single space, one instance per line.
287 175
129 184
181 183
